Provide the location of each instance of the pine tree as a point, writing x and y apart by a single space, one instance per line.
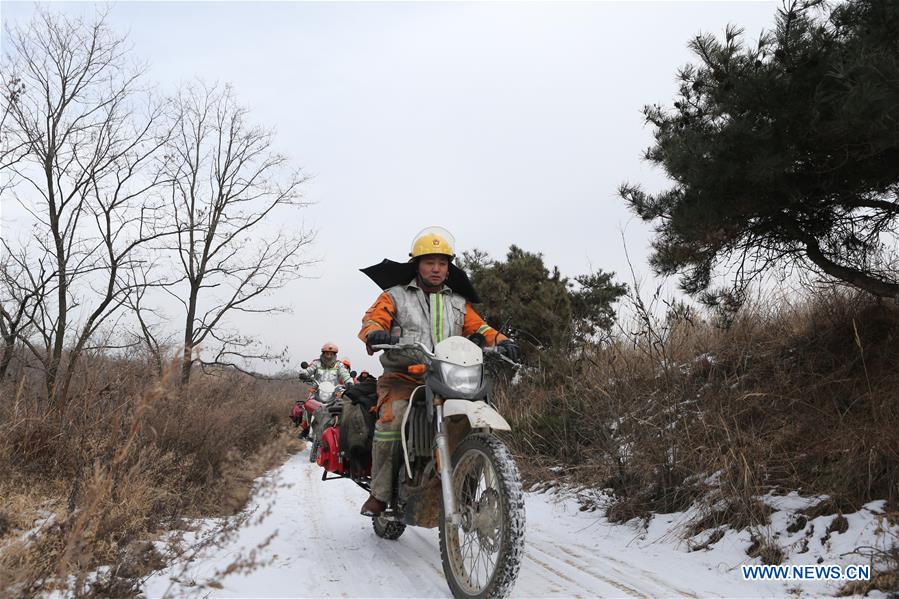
784 152
536 305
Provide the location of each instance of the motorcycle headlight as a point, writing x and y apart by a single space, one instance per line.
464 379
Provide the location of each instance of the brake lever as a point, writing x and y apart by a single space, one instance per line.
502 356
510 361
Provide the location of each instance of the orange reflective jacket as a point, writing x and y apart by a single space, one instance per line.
382 316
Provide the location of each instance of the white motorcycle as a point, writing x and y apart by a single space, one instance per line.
457 475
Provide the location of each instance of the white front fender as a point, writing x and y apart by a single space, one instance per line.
479 414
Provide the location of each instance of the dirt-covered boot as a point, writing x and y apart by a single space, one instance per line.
373 507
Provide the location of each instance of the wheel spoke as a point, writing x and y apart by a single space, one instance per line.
469 548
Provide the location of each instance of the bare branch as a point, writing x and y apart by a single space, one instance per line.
226 185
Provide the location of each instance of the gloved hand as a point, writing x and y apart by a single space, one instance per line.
380 338
513 352
478 339
304 365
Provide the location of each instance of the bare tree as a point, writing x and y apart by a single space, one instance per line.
23 285
91 140
227 187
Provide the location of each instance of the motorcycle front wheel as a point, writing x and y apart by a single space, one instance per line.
481 555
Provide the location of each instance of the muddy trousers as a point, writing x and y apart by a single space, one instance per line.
387 451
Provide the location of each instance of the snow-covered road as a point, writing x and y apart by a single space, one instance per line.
323 548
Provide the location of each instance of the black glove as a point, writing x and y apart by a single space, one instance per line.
478 339
304 365
381 338
513 352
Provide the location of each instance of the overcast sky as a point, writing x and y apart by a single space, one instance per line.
504 122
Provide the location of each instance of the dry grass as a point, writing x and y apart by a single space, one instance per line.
788 396
131 455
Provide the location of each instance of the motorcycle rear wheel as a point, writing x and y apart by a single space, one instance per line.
388 529
482 555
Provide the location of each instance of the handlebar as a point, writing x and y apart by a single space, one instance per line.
401 346
488 351
315 384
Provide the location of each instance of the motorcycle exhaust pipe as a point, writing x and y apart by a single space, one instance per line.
446 472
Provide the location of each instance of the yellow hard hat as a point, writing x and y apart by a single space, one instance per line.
433 240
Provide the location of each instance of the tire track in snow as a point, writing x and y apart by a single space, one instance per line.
630 570
541 540
653 576
401 556
543 572
589 559
332 527
313 496
401 559
578 569
426 544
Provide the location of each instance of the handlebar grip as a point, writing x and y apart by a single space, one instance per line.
502 353
397 345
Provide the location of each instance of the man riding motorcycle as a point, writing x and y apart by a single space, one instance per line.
325 368
423 310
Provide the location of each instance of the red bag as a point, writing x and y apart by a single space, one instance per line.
329 453
296 412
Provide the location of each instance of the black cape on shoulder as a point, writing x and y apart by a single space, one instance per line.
388 273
